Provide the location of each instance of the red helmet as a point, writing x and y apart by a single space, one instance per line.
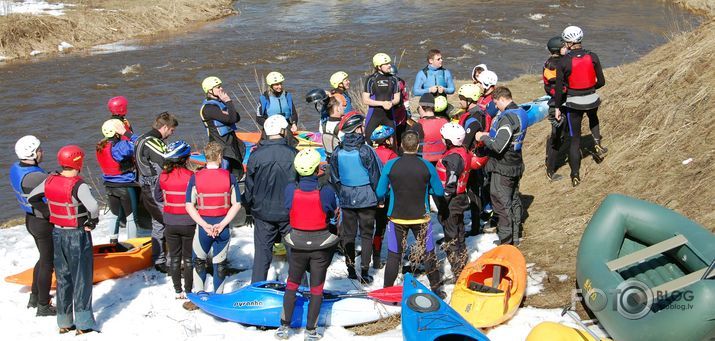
71 156
117 105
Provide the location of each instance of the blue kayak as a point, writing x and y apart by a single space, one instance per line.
536 110
199 158
425 317
260 304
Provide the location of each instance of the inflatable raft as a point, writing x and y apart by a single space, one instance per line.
643 270
110 261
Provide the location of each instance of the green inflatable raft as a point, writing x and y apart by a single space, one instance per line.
646 272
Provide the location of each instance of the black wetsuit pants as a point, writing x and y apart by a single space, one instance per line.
380 225
477 201
428 258
123 201
554 141
300 261
506 201
354 218
179 240
41 231
574 119
452 220
376 119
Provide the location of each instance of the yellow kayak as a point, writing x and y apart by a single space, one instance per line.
552 331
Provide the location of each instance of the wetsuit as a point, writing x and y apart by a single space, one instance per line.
116 159
431 76
385 154
216 120
410 181
312 245
381 87
555 139
401 112
473 121
453 170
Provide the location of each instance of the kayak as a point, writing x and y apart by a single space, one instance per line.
425 317
552 331
536 110
110 261
260 304
490 289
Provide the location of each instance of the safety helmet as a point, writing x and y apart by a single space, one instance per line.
350 122
117 105
177 150
393 69
337 78
555 44
210 83
474 70
471 92
274 78
440 104
453 132
381 59
274 124
70 156
488 79
572 34
315 96
26 147
306 161
382 133
109 127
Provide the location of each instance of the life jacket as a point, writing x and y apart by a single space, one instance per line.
213 192
465 121
109 165
344 99
173 186
435 77
63 209
548 76
432 145
512 114
385 154
463 177
401 111
223 129
483 101
17 174
306 211
330 138
583 74
352 172
272 105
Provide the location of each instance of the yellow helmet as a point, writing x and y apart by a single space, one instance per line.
274 78
338 78
470 91
306 161
381 59
210 83
440 103
109 128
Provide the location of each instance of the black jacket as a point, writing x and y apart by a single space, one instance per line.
269 170
503 159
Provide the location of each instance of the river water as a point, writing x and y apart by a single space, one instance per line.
62 100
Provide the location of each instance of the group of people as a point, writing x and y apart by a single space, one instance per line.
383 171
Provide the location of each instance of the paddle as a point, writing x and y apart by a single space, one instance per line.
572 314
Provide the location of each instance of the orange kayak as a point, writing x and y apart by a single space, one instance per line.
252 137
110 261
490 289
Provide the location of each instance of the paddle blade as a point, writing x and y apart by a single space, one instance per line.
387 295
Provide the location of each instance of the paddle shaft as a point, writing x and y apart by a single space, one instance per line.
576 318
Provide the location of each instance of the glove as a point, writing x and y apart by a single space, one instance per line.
91 223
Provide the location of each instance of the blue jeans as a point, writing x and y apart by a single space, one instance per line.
74 269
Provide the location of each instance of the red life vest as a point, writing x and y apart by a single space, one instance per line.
484 101
464 176
583 74
385 154
487 124
432 145
306 211
173 186
63 209
109 165
213 192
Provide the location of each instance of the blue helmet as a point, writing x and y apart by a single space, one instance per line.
393 71
382 133
177 150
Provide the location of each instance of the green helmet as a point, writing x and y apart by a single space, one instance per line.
210 83
440 104
274 78
337 78
306 161
471 92
381 59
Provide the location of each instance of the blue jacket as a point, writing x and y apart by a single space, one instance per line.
268 171
122 150
356 196
429 77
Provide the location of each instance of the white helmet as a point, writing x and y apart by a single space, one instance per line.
572 34
109 128
453 132
488 78
483 67
26 147
274 78
274 124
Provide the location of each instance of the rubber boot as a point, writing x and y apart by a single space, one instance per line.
32 303
365 277
575 180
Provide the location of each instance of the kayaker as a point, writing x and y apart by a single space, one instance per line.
433 78
115 155
341 84
355 170
118 108
212 201
401 112
380 95
410 180
25 175
219 117
311 206
488 80
427 128
180 227
149 150
506 165
382 136
330 128
277 101
556 48
319 98
476 71
581 72
453 171
75 213
269 170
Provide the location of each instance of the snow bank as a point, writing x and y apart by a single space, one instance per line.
32 7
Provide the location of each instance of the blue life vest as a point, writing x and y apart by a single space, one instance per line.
223 129
351 170
348 102
17 173
272 105
517 137
435 77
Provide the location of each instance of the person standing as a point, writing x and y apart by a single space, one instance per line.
581 73
427 128
277 101
25 175
434 78
219 116
269 170
382 136
488 81
149 151
380 95
557 49
118 108
75 212
341 84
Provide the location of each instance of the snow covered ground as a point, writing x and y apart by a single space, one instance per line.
142 305
31 7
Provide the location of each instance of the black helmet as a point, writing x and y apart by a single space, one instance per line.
555 44
316 95
351 121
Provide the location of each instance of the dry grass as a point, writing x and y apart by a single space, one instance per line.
91 23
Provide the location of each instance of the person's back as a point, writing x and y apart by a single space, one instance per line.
269 171
427 127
